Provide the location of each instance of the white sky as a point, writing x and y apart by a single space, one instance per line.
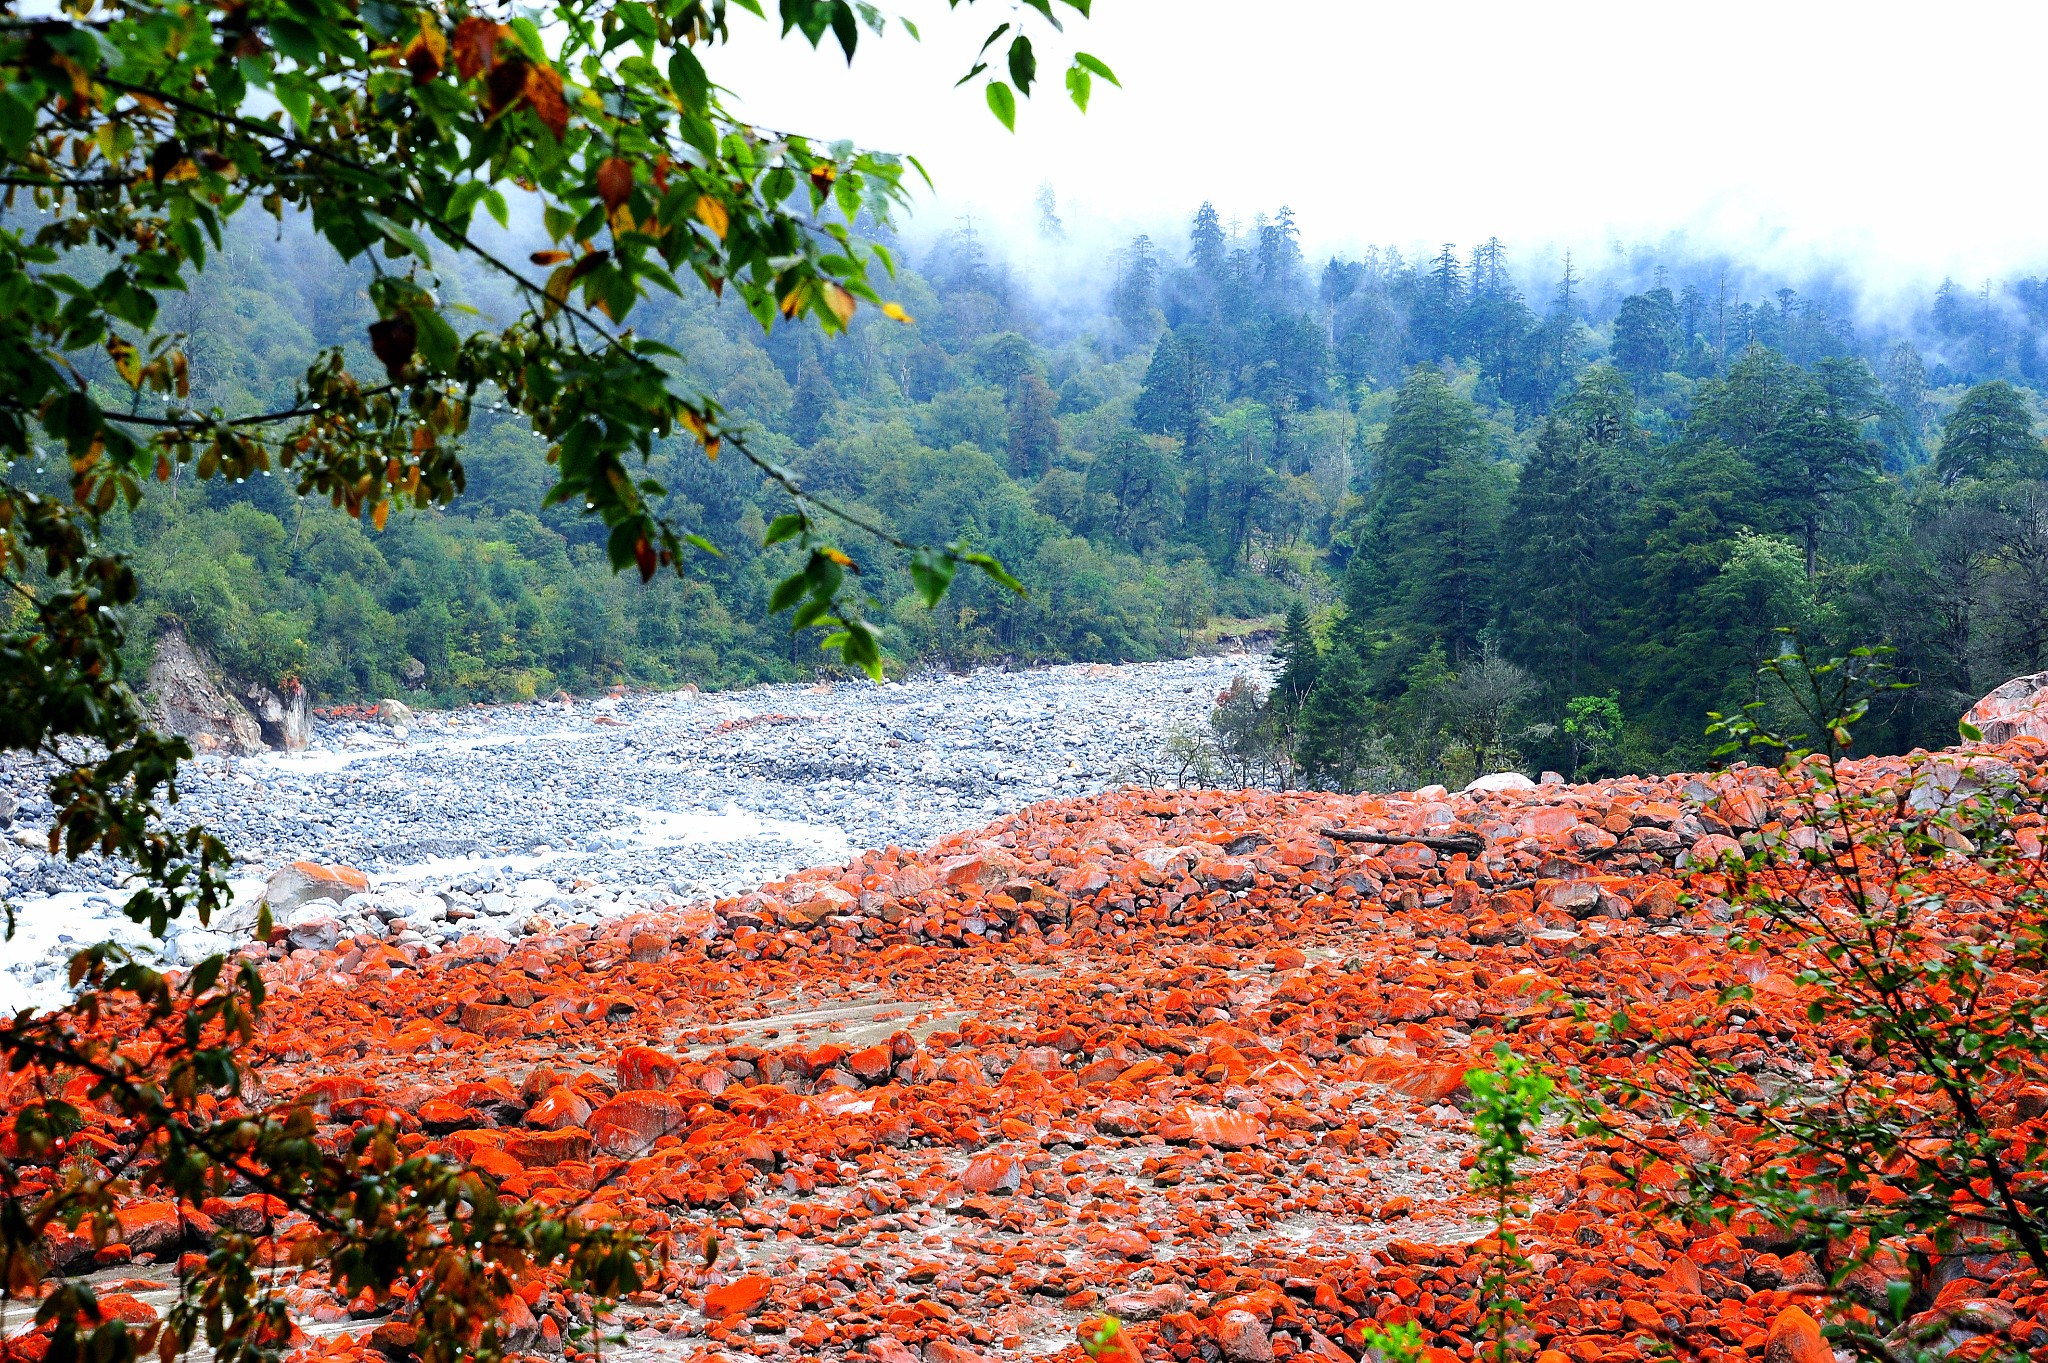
1907 138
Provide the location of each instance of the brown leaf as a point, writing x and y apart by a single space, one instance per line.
392 339
544 93
427 53
506 84
643 555
614 181
548 257
476 46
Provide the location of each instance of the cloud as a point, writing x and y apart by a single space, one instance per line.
1876 133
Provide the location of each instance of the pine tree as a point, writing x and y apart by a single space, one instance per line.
1206 242
1800 435
1334 728
1903 427
1559 537
1990 435
1173 397
1646 338
1433 325
1049 225
1034 429
1300 660
1135 298
1430 427
1447 542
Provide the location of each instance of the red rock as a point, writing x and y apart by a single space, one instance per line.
740 1297
1795 1338
871 1064
946 1351
1242 1337
1123 1244
2016 707
1219 1127
560 1106
1105 1340
1121 1119
541 1149
1164 1300
643 1067
992 1173
302 882
635 1120
158 1228
889 1349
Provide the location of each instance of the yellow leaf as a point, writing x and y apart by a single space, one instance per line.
842 560
711 449
895 312
380 512
126 360
841 302
712 214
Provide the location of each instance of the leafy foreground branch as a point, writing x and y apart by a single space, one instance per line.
132 131
1893 1150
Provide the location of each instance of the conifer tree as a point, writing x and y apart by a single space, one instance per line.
1559 535
1034 429
1990 435
1300 660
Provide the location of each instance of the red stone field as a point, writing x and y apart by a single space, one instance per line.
1179 1058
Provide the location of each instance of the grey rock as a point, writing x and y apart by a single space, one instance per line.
191 698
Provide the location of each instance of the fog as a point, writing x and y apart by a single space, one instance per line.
1803 140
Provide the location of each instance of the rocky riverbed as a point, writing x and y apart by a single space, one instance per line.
506 820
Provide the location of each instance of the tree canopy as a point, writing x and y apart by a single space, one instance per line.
135 135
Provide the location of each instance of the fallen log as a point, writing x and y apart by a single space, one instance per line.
1470 843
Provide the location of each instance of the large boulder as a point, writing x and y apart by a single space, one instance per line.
286 720
395 715
192 699
302 882
2018 707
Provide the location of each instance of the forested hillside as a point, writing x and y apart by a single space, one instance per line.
1506 521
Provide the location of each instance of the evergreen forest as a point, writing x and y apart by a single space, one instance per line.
1488 519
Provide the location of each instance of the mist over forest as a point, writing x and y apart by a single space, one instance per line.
1493 512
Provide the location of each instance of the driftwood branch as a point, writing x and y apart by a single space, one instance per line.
1470 843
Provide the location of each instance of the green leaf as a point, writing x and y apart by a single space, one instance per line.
786 594
1080 85
931 572
1097 65
17 123
786 526
296 41
993 567
990 40
686 74
1970 732
527 34
297 98
1023 65
405 237
1002 104
436 340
